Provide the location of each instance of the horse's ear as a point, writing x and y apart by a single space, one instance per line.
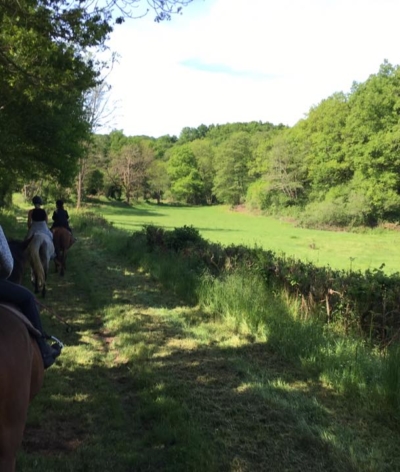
26 242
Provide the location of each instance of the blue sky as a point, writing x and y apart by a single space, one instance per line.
242 60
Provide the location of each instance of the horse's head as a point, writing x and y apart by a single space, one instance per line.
20 256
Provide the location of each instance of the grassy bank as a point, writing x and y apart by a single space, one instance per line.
149 383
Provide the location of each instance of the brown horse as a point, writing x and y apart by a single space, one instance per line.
21 377
62 240
21 373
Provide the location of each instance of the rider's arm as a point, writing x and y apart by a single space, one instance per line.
6 259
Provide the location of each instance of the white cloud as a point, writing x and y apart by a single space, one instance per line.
288 55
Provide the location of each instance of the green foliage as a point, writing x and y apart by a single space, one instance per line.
43 75
256 196
232 169
48 65
190 134
186 183
324 131
177 240
95 182
204 153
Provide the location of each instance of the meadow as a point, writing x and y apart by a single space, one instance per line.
149 382
337 249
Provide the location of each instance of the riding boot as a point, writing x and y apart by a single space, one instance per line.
49 353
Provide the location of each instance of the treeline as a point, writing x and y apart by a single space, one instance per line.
340 165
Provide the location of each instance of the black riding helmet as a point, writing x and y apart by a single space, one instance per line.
59 203
36 200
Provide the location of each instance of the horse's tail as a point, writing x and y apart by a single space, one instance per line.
34 256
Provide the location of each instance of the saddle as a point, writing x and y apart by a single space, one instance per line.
17 312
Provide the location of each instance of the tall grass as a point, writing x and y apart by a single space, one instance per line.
175 274
346 364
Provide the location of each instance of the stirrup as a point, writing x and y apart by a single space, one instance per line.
56 340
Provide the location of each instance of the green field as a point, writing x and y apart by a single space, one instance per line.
340 250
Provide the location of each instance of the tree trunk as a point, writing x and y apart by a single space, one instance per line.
79 191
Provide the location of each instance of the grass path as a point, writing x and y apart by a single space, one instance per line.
146 384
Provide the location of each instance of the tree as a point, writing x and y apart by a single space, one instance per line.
186 183
130 167
232 168
95 182
324 131
99 113
284 173
373 142
190 134
203 151
158 179
43 74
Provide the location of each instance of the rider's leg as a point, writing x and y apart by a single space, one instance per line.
25 300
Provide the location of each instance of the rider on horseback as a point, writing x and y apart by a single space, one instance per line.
60 218
25 300
37 219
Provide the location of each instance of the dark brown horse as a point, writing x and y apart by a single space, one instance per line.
20 256
62 240
21 372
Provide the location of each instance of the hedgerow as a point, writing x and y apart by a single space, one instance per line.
364 302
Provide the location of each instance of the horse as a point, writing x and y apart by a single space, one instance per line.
40 250
20 256
62 240
21 370
21 378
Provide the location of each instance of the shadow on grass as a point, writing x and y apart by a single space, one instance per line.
189 410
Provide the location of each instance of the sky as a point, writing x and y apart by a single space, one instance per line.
227 61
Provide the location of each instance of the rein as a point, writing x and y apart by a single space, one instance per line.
56 315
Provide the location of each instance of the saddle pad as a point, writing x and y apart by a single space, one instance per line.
15 311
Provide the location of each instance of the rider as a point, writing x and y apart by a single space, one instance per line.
25 300
37 219
60 217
